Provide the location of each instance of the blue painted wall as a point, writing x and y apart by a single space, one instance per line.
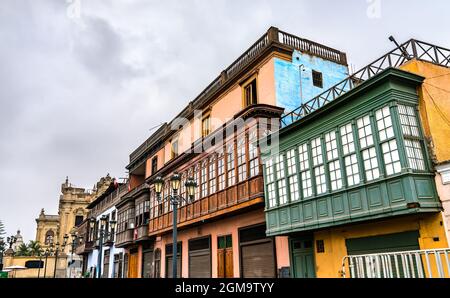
287 79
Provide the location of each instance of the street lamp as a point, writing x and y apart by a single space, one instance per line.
41 252
58 250
103 236
11 240
175 199
48 252
74 245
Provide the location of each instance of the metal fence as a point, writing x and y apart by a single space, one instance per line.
412 49
405 264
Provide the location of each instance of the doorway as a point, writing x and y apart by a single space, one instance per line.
303 265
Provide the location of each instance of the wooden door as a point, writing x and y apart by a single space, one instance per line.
225 257
229 263
132 266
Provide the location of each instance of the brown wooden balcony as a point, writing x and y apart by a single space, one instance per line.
84 248
124 238
141 233
223 203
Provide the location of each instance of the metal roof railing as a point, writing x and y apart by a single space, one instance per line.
412 49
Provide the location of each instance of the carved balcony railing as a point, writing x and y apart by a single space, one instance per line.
412 49
225 202
84 248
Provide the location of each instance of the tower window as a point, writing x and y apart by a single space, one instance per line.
78 220
317 79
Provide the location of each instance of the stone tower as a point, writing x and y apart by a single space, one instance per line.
71 212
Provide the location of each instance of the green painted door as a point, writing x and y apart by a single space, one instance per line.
303 258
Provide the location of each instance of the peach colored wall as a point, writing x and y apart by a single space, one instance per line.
282 245
148 164
266 83
139 262
225 107
222 227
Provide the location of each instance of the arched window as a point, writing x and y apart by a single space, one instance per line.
49 237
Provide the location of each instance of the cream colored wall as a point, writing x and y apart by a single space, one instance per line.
33 273
42 228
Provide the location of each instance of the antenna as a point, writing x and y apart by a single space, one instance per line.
154 127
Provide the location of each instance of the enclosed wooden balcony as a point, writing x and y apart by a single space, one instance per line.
229 201
124 238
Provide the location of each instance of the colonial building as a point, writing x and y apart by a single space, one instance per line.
88 247
72 210
222 233
353 172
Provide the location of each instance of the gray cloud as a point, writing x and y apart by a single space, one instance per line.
78 95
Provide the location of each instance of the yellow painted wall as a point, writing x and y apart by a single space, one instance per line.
329 264
33 273
434 104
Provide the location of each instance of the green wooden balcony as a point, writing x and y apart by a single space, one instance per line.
361 157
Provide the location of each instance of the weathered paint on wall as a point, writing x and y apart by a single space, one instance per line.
434 108
294 87
329 263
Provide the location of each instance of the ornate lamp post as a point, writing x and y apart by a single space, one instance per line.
175 199
58 250
48 252
72 249
103 236
11 240
41 252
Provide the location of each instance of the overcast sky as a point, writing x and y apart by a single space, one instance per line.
80 91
